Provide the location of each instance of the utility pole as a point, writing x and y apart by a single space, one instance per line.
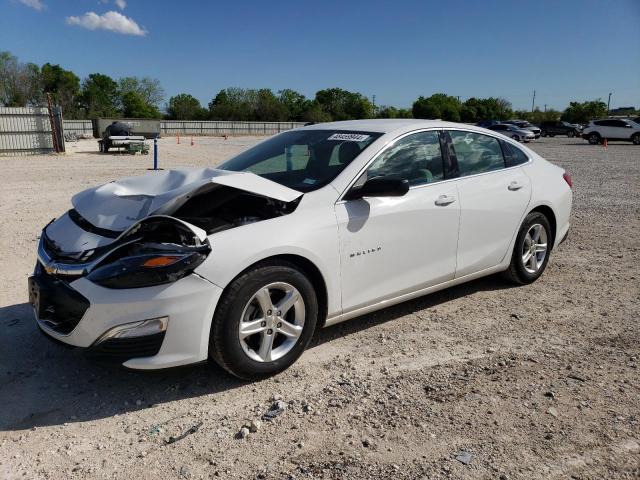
545 108
533 102
373 100
608 103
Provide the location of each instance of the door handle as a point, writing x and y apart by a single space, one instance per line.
513 186
444 200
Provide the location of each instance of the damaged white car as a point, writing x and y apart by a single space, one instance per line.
308 228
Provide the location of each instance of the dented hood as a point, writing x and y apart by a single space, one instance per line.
119 204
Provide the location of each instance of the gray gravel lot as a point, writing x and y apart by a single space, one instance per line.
483 380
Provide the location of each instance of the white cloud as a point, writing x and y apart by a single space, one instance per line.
35 4
122 4
112 21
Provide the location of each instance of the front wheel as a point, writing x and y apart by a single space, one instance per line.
571 134
531 250
543 133
516 138
264 321
594 138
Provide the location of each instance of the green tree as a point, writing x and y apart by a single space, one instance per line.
315 113
99 96
387 111
295 103
64 87
247 105
487 109
134 105
20 83
341 104
268 107
149 89
583 112
185 107
438 105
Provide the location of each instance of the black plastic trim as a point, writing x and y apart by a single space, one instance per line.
119 350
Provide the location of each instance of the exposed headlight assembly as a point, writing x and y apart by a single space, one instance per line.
159 250
146 270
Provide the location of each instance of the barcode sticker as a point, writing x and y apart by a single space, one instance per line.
349 137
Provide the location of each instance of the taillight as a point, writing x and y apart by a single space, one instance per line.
567 178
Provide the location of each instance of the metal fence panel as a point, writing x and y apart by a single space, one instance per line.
25 130
78 127
196 127
214 128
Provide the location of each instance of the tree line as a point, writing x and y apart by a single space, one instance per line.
99 95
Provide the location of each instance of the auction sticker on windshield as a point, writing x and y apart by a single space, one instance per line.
350 137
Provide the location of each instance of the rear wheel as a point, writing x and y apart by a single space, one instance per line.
531 250
264 321
636 138
594 138
571 134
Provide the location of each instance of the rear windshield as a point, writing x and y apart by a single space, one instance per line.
304 160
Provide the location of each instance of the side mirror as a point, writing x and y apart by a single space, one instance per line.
379 187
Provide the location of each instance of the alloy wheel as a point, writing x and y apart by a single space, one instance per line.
272 322
534 249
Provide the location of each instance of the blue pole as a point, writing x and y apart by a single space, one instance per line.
155 153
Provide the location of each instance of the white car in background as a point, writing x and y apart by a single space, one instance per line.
612 129
309 228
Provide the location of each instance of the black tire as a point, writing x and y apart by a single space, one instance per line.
594 138
543 133
516 138
635 138
552 135
224 342
571 134
517 273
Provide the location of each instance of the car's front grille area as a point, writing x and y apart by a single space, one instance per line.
119 350
57 305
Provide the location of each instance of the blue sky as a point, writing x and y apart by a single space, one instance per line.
396 50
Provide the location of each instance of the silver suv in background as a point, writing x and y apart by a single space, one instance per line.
612 129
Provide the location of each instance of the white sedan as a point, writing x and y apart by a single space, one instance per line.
309 228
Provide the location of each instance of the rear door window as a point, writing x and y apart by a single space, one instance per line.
476 153
513 156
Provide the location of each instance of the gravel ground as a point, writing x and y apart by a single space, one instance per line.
483 380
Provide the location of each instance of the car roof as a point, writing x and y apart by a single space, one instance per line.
387 125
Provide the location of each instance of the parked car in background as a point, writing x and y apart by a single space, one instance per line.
554 128
612 129
511 131
637 120
311 227
487 123
524 125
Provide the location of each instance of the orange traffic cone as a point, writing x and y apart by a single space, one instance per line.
178 142
192 141
605 144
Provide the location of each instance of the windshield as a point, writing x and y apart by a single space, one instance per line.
303 160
